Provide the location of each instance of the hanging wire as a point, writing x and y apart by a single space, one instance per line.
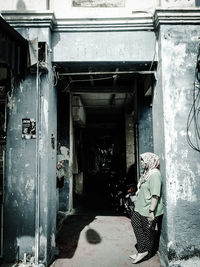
53 76
85 80
193 120
154 55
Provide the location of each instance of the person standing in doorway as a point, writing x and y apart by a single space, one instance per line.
148 207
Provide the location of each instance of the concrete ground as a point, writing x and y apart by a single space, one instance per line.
100 241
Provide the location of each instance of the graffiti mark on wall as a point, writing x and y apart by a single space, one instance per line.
98 3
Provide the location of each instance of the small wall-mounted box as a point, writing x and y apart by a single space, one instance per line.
38 52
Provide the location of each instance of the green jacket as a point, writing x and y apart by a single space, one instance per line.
151 187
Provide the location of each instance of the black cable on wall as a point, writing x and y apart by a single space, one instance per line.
193 121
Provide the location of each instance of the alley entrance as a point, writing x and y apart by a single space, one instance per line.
105 134
106 102
100 152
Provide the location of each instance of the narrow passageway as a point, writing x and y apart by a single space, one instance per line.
104 135
95 240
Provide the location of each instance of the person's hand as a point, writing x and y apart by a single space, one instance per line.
151 216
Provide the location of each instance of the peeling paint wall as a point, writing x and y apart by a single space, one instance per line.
178 50
19 200
159 145
91 46
48 168
145 130
20 190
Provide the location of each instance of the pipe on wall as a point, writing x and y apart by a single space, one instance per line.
37 185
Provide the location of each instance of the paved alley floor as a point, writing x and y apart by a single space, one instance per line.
100 241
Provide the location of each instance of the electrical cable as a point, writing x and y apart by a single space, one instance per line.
86 80
54 76
154 55
193 116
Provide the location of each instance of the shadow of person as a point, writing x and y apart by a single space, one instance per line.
69 234
20 5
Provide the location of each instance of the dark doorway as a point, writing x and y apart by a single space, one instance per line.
104 164
100 152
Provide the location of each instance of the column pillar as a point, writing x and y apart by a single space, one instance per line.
30 193
178 41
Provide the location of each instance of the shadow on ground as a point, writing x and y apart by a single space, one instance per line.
68 237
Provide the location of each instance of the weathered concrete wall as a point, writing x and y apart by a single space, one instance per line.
48 168
20 201
100 8
103 46
145 130
178 51
96 8
113 8
19 205
159 145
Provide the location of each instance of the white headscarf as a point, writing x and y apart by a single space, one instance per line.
151 165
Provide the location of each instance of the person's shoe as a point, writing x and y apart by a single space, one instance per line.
133 256
140 256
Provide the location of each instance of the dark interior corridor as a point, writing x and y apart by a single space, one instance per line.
103 165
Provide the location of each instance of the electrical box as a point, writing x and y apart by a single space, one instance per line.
42 56
38 52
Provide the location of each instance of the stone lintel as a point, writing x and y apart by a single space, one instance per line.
32 19
176 16
135 23
140 22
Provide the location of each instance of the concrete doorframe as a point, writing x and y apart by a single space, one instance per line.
71 145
